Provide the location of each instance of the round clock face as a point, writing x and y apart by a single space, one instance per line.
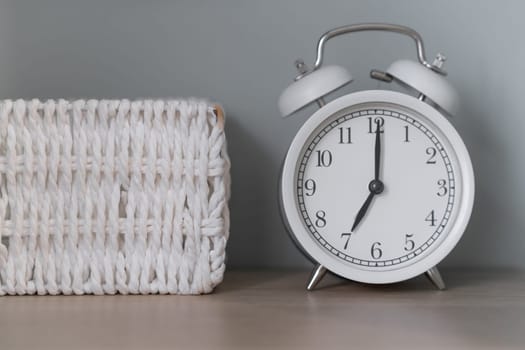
380 191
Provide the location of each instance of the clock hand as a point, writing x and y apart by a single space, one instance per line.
375 186
361 213
377 150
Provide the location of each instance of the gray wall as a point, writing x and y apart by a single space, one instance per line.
240 53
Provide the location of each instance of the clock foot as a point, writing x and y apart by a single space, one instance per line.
435 277
317 275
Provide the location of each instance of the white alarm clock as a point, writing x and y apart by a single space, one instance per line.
377 186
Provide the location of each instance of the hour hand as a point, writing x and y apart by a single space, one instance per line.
361 213
375 187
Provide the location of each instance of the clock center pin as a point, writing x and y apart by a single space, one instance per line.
376 186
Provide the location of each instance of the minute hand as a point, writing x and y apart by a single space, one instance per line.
377 151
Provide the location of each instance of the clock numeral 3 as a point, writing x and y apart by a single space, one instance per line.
431 152
346 235
320 220
309 185
409 243
345 135
431 218
376 251
372 124
324 158
442 183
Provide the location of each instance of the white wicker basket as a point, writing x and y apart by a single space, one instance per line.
109 197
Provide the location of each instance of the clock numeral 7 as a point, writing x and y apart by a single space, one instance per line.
346 235
324 158
372 124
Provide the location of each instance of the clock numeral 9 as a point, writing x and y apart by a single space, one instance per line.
346 235
345 137
309 185
431 152
442 183
372 124
431 218
409 243
324 158
376 251
320 220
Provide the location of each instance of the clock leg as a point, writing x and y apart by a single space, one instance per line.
435 277
317 275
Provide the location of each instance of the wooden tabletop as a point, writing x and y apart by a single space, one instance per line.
271 309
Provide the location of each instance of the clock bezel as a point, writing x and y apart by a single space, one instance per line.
304 239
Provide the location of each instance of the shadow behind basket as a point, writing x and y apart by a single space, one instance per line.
109 197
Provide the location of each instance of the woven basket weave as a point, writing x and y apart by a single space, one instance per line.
109 197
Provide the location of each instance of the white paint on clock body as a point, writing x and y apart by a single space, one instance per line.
380 250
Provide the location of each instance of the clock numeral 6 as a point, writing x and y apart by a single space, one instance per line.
372 124
431 152
324 158
376 251
346 235
409 243
442 183
320 220
309 185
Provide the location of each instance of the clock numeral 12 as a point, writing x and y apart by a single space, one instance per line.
372 124
324 158
345 137
406 134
